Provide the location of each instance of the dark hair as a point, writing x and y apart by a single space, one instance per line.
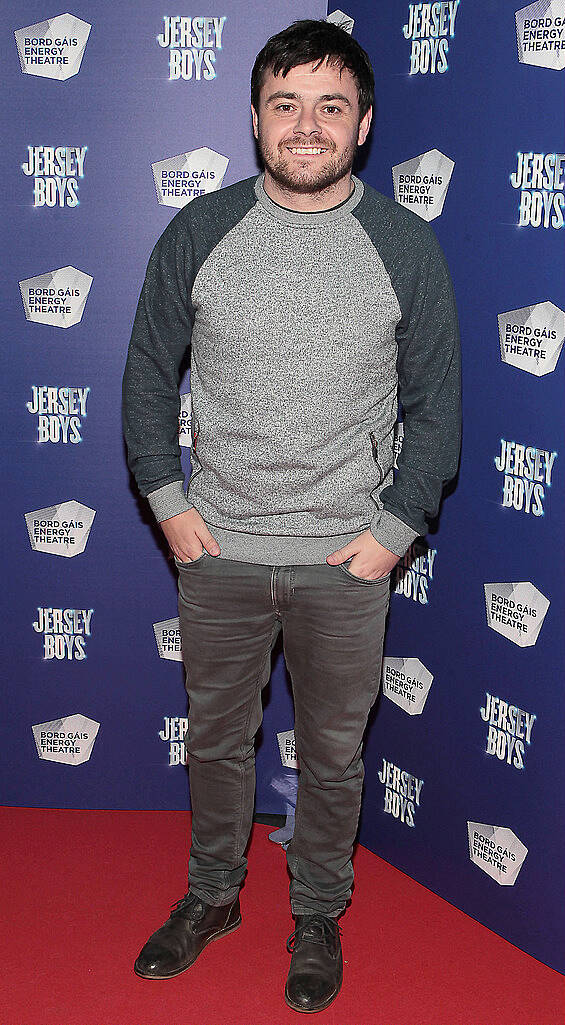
306 41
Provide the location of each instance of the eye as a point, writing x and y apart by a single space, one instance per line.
331 109
284 107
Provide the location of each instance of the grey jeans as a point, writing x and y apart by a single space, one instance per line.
333 626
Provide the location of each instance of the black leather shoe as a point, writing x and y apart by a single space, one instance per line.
316 968
176 945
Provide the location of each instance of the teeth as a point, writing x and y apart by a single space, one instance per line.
305 149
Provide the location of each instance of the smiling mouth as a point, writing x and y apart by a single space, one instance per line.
307 151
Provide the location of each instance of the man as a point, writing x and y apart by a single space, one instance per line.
311 303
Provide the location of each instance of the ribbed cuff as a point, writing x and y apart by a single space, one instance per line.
170 500
392 533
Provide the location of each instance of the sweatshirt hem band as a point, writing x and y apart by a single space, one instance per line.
276 550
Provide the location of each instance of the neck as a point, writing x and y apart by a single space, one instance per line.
306 202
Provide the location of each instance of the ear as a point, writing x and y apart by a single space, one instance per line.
364 125
255 121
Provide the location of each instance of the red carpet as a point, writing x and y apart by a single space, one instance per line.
84 889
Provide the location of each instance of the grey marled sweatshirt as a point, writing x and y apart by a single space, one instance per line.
304 329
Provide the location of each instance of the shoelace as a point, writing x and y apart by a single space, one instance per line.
316 929
186 903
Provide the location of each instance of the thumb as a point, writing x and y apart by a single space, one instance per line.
209 542
341 555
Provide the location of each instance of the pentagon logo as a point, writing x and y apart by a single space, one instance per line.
531 338
60 529
497 851
57 298
516 610
69 740
344 21
167 636
53 48
540 33
185 437
407 682
178 180
287 748
422 182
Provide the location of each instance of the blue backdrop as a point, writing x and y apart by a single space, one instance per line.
485 109
462 800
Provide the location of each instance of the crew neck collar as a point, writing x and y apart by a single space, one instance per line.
308 218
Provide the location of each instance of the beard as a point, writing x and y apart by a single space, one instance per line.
287 171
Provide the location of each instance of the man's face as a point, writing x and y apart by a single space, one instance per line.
308 127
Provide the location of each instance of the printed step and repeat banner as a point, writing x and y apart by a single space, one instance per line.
118 116
464 785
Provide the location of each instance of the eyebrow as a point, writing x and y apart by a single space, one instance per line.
281 95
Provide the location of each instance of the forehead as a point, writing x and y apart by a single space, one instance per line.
311 80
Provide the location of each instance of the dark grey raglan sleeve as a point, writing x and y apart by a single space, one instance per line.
161 334
429 385
428 367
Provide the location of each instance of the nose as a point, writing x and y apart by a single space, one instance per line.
306 122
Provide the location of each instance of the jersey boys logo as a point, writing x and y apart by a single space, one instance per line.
57 298
430 27
422 182
402 792
173 733
540 179
509 729
412 575
192 44
406 682
516 611
497 850
54 48
60 529
64 632
540 33
55 171
527 474
59 412
532 338
167 636
180 179
69 740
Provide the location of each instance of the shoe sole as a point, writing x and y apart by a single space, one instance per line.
312 1010
172 975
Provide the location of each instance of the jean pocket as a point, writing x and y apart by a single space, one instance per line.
187 565
343 566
